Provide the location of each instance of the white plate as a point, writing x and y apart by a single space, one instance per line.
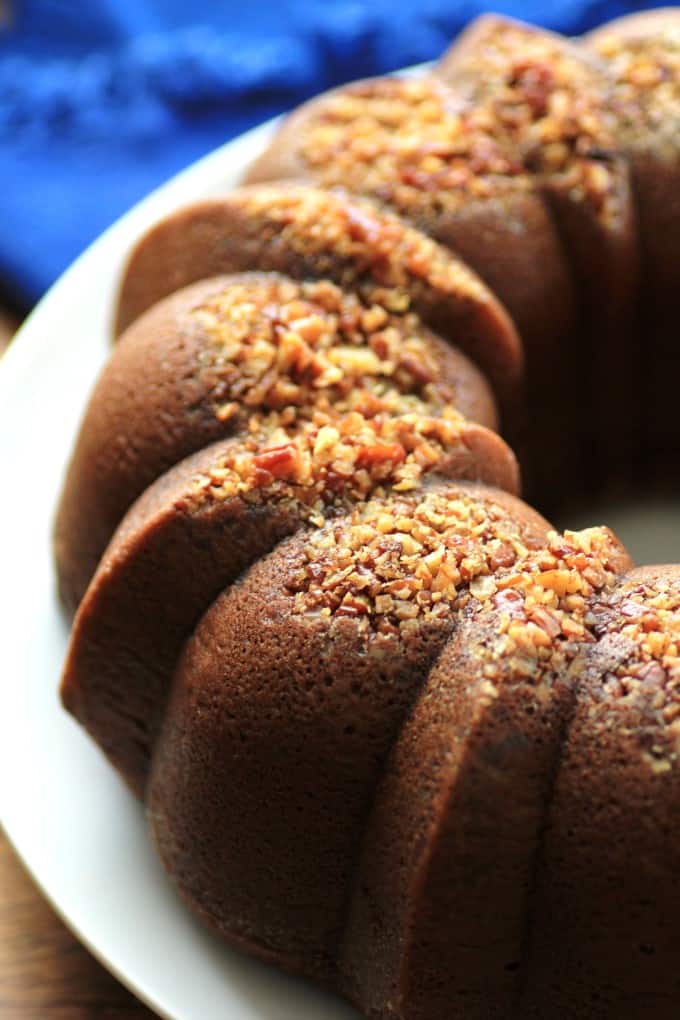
78 830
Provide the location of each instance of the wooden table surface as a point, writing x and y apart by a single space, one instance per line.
7 327
45 974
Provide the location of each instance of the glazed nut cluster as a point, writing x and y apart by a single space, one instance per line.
645 623
562 138
411 145
552 109
332 462
407 143
296 347
341 398
386 262
394 566
541 610
646 94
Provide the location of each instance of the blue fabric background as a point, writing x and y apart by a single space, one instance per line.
103 100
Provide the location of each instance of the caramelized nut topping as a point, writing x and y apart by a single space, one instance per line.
646 93
540 609
414 146
396 565
638 626
342 398
330 462
292 349
384 260
409 144
550 107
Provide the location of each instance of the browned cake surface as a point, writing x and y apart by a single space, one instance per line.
511 160
307 233
252 355
607 891
335 678
393 731
642 56
442 893
551 102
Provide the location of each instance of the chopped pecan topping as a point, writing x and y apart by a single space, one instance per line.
646 95
550 106
277 461
638 628
385 261
331 461
414 559
277 346
536 109
408 144
645 619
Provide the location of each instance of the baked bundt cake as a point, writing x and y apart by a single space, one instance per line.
509 153
393 731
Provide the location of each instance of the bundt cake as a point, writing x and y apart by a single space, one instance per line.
393 730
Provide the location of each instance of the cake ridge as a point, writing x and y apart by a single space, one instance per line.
621 729
392 655
234 355
563 696
309 233
185 514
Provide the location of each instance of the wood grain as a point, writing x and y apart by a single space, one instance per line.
8 327
45 974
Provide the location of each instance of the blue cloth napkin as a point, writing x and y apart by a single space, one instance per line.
100 102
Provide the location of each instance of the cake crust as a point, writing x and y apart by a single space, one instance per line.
306 233
392 730
203 371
